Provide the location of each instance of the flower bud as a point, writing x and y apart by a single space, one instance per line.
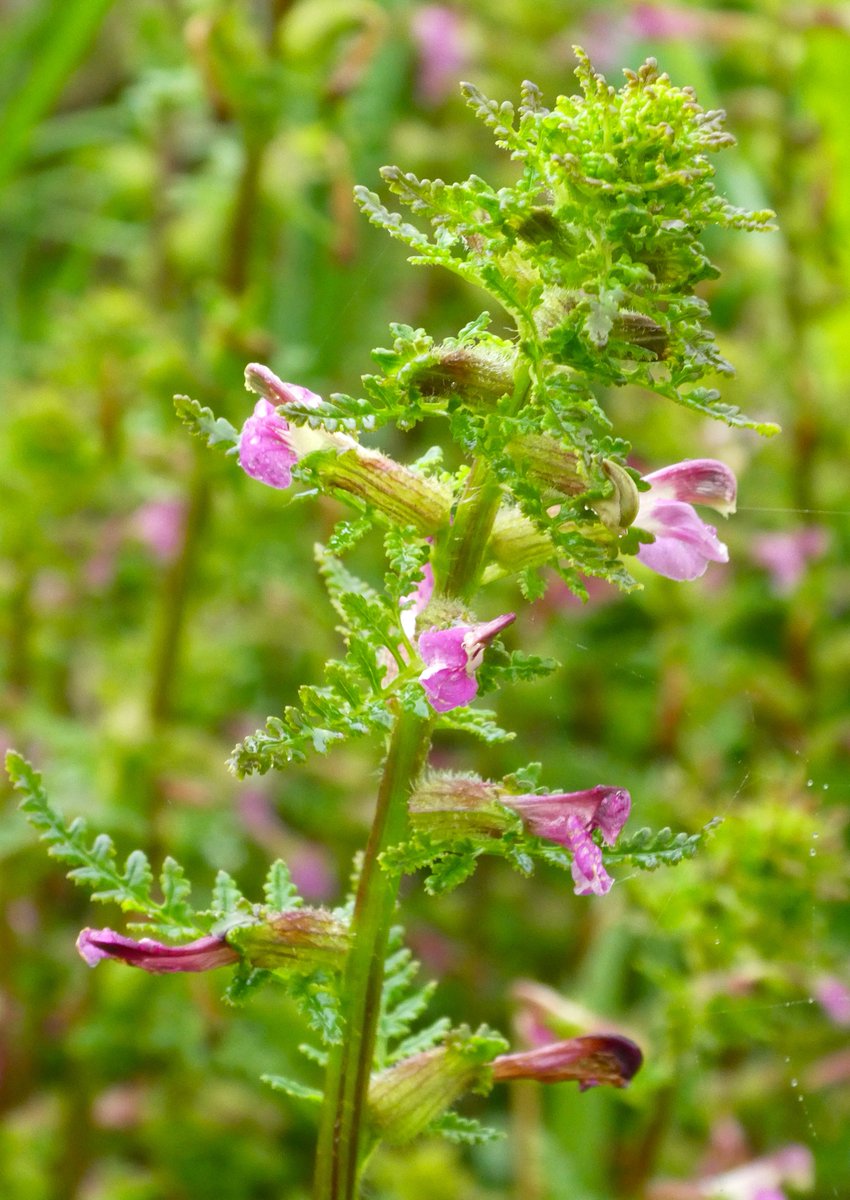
549 463
483 373
620 509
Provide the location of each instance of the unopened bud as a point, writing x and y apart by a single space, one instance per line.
547 461
620 509
483 373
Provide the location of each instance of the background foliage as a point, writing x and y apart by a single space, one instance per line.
175 200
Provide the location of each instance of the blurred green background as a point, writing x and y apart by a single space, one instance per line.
175 200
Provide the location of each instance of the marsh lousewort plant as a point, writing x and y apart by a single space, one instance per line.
591 257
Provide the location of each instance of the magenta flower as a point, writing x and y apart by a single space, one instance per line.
569 818
451 658
265 453
785 556
592 1060
266 449
684 545
160 525
834 998
200 955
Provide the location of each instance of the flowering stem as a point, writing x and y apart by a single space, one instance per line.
341 1136
346 1090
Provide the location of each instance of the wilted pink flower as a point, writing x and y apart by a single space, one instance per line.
834 998
159 524
684 545
785 555
569 818
591 1060
200 955
451 658
443 50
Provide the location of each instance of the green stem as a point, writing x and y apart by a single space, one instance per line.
341 1136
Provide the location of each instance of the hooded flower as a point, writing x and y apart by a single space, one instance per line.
569 818
266 449
451 657
684 545
200 955
592 1060
265 452
299 940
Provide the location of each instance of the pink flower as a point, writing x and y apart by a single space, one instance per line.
591 1060
785 555
569 818
684 545
200 955
451 658
159 524
834 998
443 50
266 449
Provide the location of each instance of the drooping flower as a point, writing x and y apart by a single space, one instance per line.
785 556
569 818
452 657
201 955
684 544
297 940
591 1060
461 806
